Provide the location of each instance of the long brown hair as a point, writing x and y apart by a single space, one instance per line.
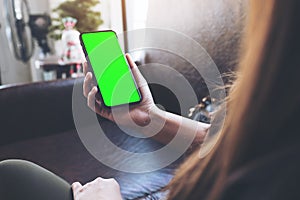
263 104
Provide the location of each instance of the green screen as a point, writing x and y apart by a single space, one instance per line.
111 70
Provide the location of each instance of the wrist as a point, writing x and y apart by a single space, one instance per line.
155 121
163 125
157 115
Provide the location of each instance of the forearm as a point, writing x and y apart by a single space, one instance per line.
170 125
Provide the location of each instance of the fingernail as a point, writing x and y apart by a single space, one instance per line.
95 89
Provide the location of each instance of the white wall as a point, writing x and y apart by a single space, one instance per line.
136 19
136 14
39 6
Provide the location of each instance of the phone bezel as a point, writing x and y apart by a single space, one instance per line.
90 65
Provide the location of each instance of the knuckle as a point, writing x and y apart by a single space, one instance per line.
99 179
113 182
85 92
90 104
90 95
75 184
81 190
75 187
86 78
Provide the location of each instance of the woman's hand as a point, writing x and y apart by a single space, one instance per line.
164 125
99 189
139 113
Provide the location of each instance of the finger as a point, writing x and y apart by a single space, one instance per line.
95 181
98 179
87 84
91 98
136 72
85 68
76 187
130 61
96 105
111 180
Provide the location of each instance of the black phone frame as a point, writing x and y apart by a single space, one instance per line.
90 65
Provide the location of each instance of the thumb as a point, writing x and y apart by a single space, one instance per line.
76 187
130 61
140 80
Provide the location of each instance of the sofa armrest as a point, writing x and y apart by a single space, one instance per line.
35 109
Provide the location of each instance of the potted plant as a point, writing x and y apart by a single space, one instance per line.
84 11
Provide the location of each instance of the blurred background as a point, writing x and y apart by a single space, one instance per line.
32 48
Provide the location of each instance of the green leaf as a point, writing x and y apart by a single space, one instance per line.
82 10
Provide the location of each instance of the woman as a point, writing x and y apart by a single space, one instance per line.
257 154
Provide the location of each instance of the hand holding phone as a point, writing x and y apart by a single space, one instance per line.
139 112
112 73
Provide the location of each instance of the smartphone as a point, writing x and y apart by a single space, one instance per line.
115 81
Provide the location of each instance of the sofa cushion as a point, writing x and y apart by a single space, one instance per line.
216 25
35 109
